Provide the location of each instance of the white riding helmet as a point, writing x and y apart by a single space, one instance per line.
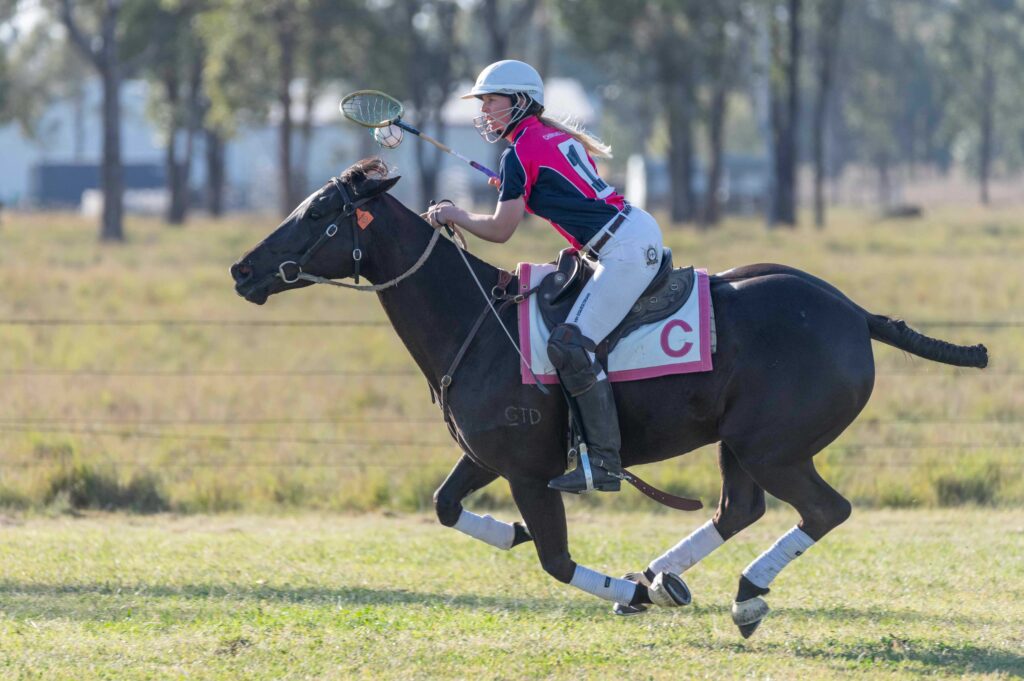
508 77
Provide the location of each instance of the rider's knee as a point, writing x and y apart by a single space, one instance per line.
569 351
448 508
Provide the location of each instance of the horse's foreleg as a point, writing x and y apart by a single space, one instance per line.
544 514
465 478
821 509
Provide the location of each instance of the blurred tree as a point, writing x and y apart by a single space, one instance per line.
501 20
891 93
786 34
722 33
264 52
829 19
985 51
177 102
7 10
509 26
38 67
95 28
664 30
434 61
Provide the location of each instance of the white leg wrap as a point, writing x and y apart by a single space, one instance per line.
689 551
487 529
602 586
769 564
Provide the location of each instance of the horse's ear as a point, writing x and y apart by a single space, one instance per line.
387 184
375 187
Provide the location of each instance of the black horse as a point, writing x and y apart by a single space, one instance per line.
793 368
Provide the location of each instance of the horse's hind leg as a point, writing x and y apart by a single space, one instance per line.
821 509
465 478
740 505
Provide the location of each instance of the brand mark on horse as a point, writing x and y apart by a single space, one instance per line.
522 416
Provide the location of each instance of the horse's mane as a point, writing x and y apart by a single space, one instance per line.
366 169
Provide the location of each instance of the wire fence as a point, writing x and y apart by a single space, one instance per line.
13 321
156 428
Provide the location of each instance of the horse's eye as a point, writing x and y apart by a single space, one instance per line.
314 214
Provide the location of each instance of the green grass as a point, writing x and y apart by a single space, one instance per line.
890 594
195 436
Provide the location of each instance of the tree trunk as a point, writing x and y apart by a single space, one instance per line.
831 12
301 181
785 108
104 58
214 173
716 129
192 127
987 111
884 185
720 72
172 90
678 97
428 162
497 33
112 173
286 42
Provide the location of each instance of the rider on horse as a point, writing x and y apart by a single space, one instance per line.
548 170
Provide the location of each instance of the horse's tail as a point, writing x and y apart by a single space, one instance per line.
896 333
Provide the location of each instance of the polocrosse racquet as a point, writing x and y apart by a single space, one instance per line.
375 109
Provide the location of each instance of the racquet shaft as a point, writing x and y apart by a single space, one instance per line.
444 147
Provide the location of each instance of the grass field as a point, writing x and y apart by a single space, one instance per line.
144 411
891 594
256 436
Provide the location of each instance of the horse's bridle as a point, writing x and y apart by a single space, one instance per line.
348 210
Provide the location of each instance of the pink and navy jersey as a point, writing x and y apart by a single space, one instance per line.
556 175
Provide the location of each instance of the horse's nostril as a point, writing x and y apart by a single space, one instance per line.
240 272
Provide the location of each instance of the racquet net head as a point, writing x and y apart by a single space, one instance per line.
371 108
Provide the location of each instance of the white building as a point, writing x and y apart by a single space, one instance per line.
252 168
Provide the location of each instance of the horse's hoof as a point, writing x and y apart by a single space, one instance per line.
747 630
747 615
625 610
669 590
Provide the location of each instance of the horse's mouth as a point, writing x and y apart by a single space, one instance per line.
254 294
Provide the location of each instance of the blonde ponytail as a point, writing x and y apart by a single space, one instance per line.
570 126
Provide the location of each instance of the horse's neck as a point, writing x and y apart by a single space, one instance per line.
434 309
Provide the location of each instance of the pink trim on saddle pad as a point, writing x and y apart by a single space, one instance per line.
663 348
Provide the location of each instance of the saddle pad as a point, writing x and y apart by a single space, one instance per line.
680 344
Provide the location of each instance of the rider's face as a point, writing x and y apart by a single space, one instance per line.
496 108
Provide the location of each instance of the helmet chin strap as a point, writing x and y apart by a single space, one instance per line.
517 112
519 109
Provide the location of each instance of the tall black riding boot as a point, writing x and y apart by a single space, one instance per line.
601 467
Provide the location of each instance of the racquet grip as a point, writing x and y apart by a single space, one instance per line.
484 169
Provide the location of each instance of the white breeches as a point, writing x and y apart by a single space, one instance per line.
625 267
